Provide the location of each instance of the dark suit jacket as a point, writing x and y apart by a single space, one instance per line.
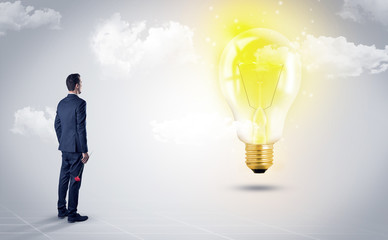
70 124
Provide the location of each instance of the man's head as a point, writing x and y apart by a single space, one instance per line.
74 83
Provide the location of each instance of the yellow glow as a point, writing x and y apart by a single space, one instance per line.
227 19
260 77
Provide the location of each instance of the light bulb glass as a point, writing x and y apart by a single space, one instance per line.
260 76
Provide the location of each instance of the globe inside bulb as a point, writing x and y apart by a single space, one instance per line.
260 77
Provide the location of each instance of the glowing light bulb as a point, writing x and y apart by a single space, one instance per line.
260 76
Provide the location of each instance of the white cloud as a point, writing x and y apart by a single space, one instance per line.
358 10
193 129
120 45
339 58
15 16
29 121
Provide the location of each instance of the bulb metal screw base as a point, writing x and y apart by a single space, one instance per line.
259 157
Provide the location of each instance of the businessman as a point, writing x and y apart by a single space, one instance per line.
70 127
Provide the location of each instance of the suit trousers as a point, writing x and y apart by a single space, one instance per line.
71 167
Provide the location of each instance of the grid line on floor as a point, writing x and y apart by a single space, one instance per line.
160 225
197 227
275 227
26 222
120 229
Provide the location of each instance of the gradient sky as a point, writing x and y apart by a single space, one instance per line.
159 129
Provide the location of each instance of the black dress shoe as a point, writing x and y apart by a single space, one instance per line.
76 218
62 215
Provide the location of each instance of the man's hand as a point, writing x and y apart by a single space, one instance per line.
85 158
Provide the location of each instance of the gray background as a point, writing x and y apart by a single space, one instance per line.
329 170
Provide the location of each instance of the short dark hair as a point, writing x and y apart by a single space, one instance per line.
72 80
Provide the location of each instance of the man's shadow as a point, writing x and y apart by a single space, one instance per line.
46 225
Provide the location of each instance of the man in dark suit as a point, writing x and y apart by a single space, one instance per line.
70 126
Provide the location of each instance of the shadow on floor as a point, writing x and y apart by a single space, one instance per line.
46 225
257 188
